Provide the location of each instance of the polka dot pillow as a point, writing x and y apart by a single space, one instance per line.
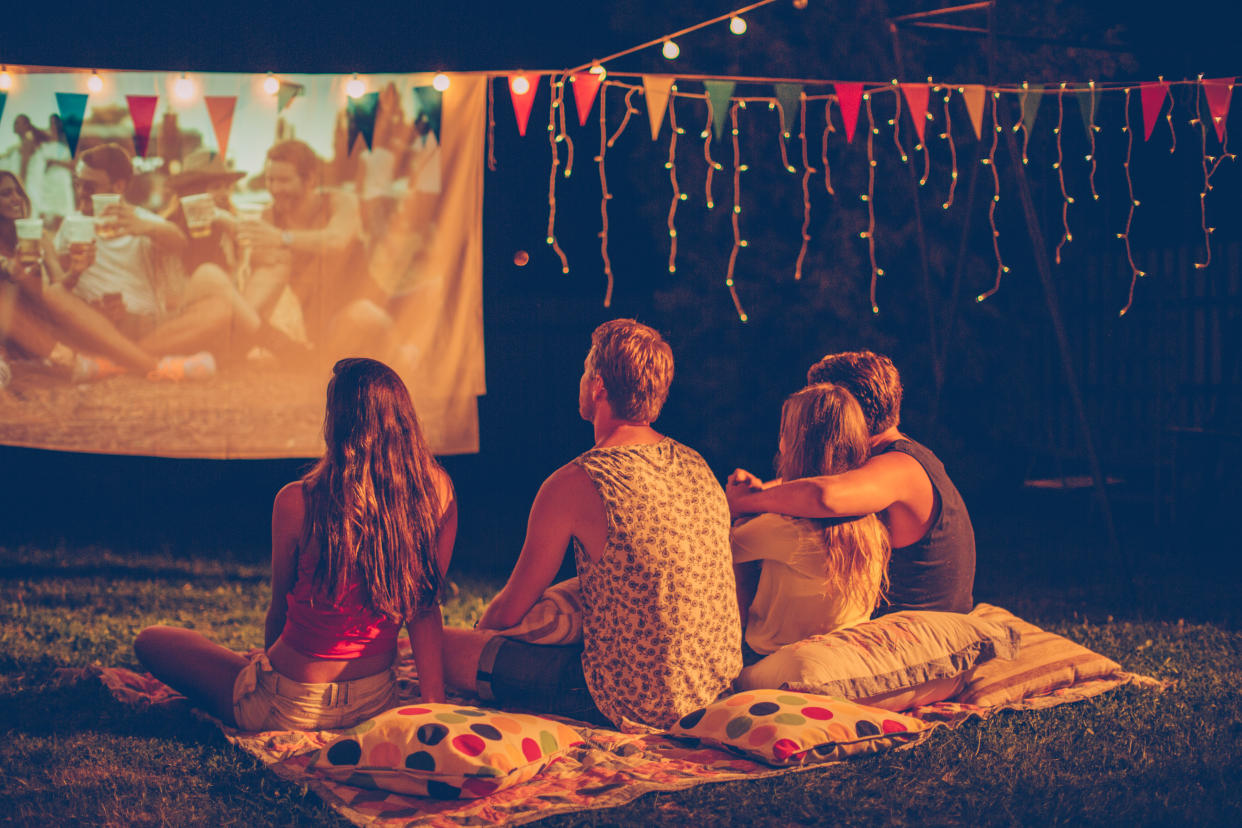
787 729
444 751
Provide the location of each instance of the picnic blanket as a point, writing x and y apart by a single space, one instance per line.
611 769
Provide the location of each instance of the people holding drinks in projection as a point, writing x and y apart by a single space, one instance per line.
360 548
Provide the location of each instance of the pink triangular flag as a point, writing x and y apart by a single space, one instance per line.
523 101
916 98
975 97
656 89
849 97
142 112
1153 99
585 87
1218 91
220 108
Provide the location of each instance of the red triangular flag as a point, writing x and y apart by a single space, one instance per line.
585 87
975 97
523 101
1153 99
1218 92
220 108
916 98
142 112
849 97
656 90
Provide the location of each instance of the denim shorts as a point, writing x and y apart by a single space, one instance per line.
538 677
263 699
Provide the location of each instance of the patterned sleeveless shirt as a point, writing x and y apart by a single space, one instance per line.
661 632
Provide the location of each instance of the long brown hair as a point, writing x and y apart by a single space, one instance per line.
8 228
823 431
372 503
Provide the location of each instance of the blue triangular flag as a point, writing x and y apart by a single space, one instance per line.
361 112
427 100
72 106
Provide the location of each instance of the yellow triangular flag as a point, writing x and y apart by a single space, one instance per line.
657 89
975 96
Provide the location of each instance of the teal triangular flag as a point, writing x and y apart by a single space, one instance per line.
1086 106
361 113
790 96
718 93
72 106
4 96
1030 105
427 100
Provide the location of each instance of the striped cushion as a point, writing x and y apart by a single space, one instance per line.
1045 662
556 618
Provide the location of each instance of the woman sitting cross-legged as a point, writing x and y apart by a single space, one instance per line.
798 577
360 547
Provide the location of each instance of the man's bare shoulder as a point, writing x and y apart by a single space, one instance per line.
566 480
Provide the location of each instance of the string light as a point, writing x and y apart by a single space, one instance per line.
670 50
558 94
355 87
519 85
869 233
94 83
806 190
597 69
603 189
1135 272
1168 116
737 25
1060 168
491 128
781 134
440 82
1207 174
270 85
6 79
738 241
183 88
896 122
1026 132
671 164
563 136
948 136
921 146
630 110
824 147
712 166
1092 129
990 161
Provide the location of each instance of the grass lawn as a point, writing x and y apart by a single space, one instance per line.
70 754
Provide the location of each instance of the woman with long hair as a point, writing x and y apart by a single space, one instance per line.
360 547
799 577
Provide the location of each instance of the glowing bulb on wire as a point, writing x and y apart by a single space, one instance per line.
671 50
6 80
737 25
270 85
94 83
183 88
440 82
355 87
520 85
596 69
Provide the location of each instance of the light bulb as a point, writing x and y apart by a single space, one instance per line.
6 80
355 87
520 85
183 88
596 69
671 50
440 82
737 25
270 85
94 83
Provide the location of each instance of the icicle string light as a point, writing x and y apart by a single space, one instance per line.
896 122
1066 201
948 136
1168 116
563 136
990 161
629 110
781 135
807 170
922 145
824 148
869 233
671 164
1135 272
558 92
603 189
1026 133
491 127
712 165
1092 129
1207 233
738 241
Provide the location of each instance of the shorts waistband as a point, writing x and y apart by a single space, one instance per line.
328 694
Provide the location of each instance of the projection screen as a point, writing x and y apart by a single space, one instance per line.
183 257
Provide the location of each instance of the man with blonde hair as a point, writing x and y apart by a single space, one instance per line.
650 531
933 560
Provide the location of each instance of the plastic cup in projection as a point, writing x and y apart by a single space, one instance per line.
29 240
100 204
199 211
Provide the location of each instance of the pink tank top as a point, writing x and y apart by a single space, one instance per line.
342 631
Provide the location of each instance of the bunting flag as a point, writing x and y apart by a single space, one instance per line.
585 86
4 96
656 89
916 95
72 106
429 102
719 93
361 113
286 93
1153 100
523 101
1217 92
975 96
142 112
1086 106
220 108
1031 96
849 96
790 96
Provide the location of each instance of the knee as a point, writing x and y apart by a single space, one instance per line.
209 280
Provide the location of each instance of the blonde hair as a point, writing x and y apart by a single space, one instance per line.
824 431
636 366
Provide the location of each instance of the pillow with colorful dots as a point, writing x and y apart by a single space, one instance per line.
444 751
788 729
878 659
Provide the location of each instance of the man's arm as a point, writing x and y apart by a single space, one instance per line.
879 483
166 235
548 532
